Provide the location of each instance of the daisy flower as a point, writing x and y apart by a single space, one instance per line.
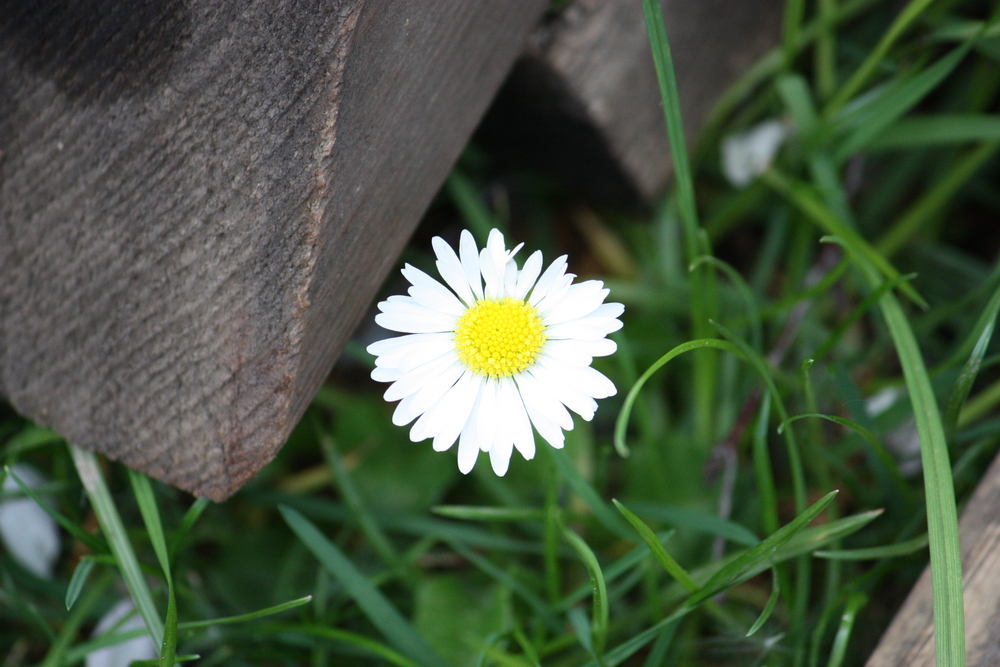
503 350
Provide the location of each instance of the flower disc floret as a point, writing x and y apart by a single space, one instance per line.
499 337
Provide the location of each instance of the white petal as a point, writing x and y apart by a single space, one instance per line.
608 310
383 374
581 378
555 294
509 278
413 380
468 447
579 300
537 400
470 263
492 274
432 291
123 653
500 457
564 391
404 412
486 415
496 247
422 349
579 352
428 399
589 328
528 275
30 535
552 274
423 320
450 415
519 426
443 303
546 427
452 270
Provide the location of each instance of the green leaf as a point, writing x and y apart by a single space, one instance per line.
480 513
373 604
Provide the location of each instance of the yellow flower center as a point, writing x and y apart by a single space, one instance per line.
499 337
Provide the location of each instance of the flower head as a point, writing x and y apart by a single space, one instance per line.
502 351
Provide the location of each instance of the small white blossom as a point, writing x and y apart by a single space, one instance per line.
747 155
122 654
28 533
502 351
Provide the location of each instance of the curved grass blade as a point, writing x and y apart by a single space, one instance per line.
582 488
703 522
243 618
753 309
114 532
877 553
187 522
599 624
882 455
29 438
375 606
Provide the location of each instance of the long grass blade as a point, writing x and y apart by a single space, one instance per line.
114 532
375 606
599 621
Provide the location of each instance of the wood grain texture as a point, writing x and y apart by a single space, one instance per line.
587 92
909 640
199 199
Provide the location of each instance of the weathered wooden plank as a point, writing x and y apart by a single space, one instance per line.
909 640
198 200
587 93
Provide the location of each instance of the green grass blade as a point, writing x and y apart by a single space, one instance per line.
749 300
896 100
92 542
478 218
942 516
243 618
937 129
854 604
861 76
375 606
763 470
187 523
114 532
802 198
963 385
599 622
672 567
772 600
749 563
78 579
697 520
28 438
480 513
877 553
581 487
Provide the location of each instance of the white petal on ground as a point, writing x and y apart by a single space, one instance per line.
747 155
29 534
122 654
453 270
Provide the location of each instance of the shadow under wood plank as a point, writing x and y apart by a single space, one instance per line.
588 98
199 199
909 640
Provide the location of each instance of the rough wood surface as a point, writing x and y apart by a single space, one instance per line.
198 200
909 640
587 92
